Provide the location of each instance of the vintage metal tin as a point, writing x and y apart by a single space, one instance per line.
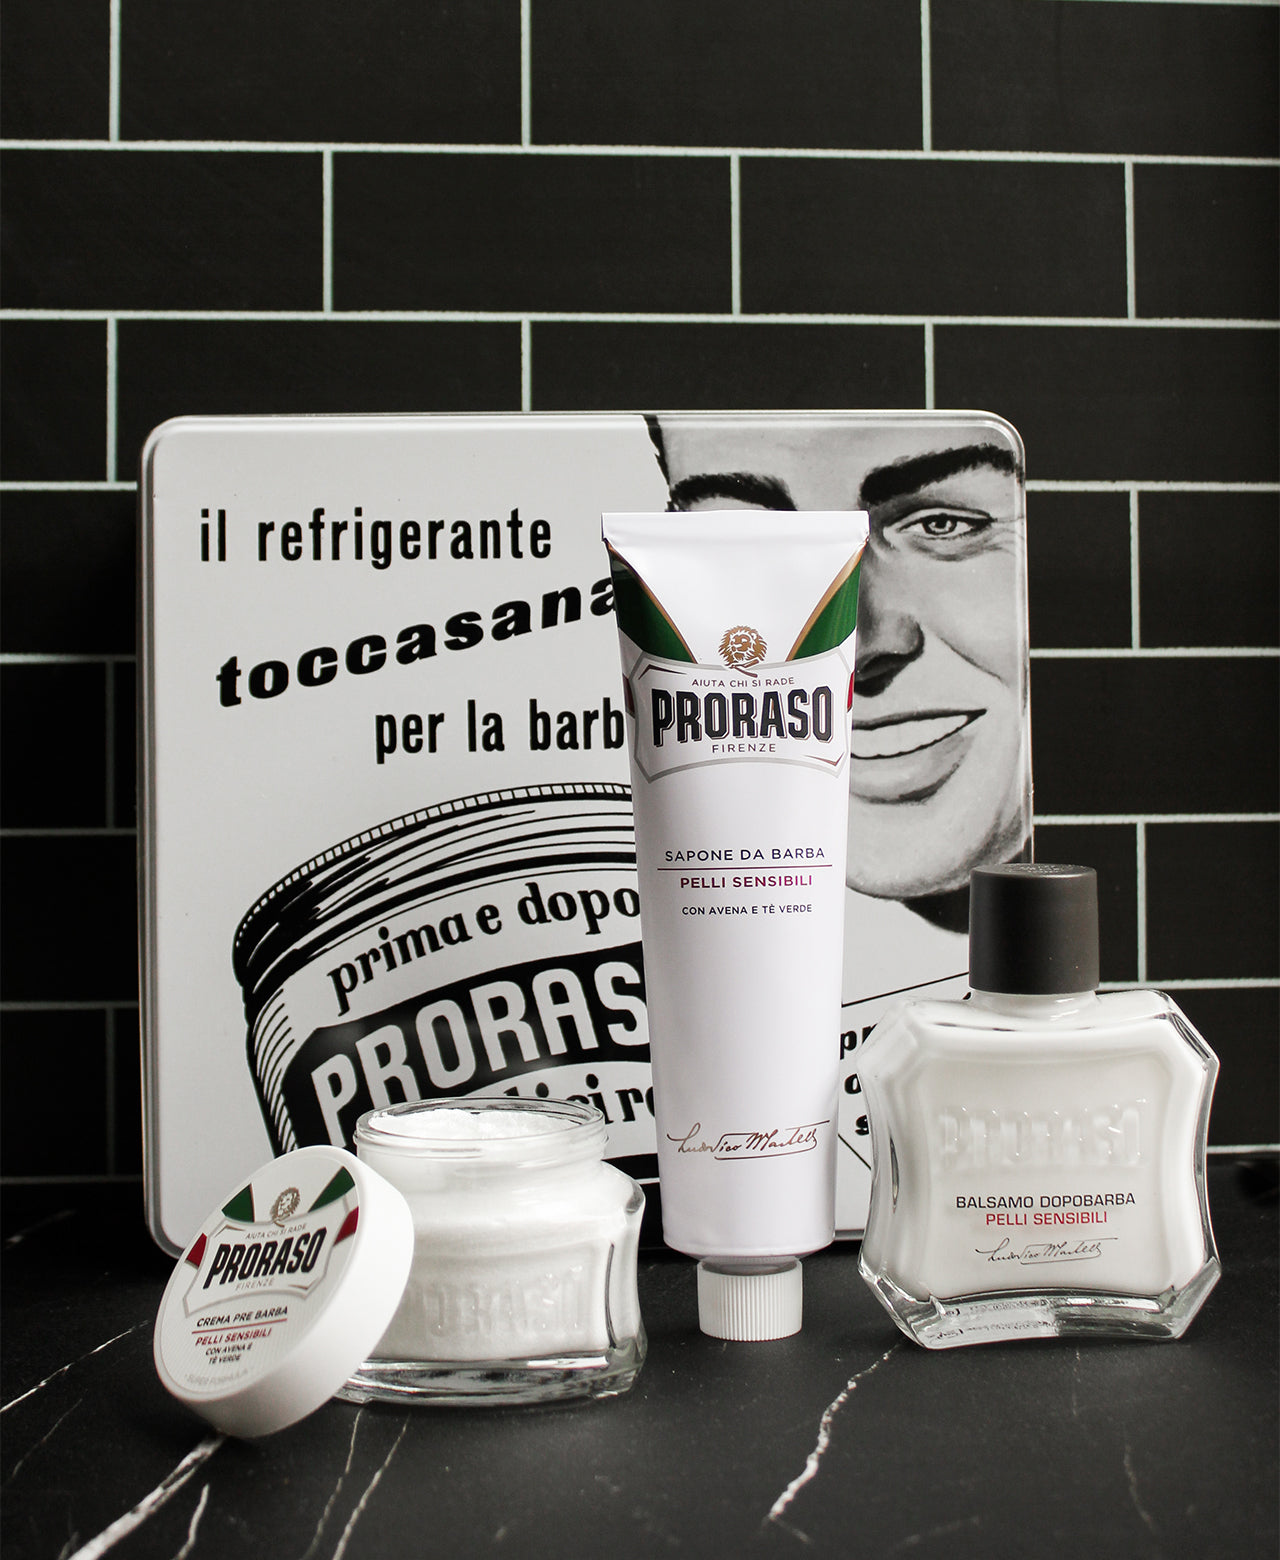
365 637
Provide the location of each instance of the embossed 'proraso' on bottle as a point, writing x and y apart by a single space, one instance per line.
488 945
1039 1147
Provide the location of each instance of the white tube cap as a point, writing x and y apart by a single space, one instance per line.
749 1304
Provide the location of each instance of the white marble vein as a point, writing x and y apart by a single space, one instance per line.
824 1440
368 1495
45 1437
943 1530
337 1490
17 1238
193 1525
71 1364
150 1502
1132 1478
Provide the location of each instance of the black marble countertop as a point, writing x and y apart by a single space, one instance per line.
846 1440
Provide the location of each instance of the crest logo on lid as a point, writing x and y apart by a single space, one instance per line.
742 647
285 1206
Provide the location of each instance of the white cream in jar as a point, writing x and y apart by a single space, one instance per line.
523 1282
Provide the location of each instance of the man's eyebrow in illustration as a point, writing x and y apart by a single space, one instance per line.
919 471
745 487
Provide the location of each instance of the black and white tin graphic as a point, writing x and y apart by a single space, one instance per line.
487 945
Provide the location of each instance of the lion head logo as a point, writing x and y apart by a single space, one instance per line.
286 1205
742 647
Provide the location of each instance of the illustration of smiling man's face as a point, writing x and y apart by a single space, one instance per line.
938 779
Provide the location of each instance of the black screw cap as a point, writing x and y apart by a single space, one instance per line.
1033 929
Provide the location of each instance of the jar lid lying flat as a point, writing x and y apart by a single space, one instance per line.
286 1288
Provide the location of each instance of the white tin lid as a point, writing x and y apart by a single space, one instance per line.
286 1288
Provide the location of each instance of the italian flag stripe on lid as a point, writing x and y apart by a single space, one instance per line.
338 1187
240 1207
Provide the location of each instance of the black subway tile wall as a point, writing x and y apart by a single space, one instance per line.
54 427
1208 569
55 70
1145 403
852 236
1183 735
319 70
1216 233
167 367
67 572
1062 76
44 871
1062 211
624 234
721 73
182 230
604 366
1080 571
58 778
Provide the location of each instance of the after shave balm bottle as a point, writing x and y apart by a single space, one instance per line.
1039 1147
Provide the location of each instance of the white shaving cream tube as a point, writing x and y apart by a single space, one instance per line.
737 637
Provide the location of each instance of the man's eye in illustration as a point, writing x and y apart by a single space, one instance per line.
939 528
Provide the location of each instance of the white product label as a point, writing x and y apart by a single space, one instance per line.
738 650
253 1280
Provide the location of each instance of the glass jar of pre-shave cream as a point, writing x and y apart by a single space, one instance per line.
523 1282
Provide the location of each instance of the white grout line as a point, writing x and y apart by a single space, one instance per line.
526 366
1138 485
1046 819
67 1007
1208 983
113 74
735 235
585 149
1155 819
1140 856
1135 600
109 743
1130 256
526 77
930 398
326 229
68 487
1058 653
109 1094
1041 485
1171 653
633 317
1265 4
70 832
111 387
52 658
926 78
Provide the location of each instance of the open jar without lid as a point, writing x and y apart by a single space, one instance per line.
523 1281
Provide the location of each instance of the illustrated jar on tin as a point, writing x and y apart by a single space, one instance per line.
484 946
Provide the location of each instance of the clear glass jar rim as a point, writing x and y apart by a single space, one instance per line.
580 1131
